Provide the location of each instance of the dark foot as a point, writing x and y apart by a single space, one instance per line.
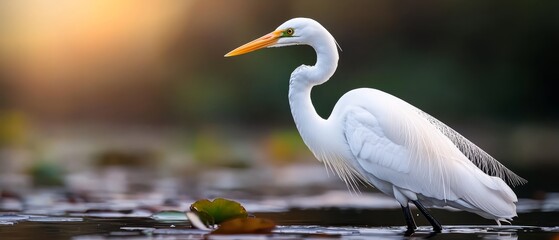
409 232
409 220
436 225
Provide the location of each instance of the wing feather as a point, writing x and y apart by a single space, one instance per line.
399 147
476 155
394 148
368 141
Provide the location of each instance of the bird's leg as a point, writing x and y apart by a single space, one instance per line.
436 225
409 220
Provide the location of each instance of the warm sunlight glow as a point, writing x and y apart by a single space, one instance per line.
52 38
61 52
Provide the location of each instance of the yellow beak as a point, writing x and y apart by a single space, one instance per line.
262 42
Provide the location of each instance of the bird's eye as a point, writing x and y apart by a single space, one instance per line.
289 31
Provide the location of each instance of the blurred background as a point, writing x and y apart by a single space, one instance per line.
123 96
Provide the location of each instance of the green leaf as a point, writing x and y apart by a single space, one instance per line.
219 210
246 226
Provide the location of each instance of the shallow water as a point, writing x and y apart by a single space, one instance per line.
331 215
294 224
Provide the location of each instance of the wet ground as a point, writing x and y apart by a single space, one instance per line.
327 215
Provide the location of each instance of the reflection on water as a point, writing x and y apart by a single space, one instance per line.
145 228
334 214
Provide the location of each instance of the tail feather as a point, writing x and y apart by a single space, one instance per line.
488 196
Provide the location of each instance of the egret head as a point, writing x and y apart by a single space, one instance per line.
296 31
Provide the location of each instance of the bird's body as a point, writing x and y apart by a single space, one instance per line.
376 138
387 138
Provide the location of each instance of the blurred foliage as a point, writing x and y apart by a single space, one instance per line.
210 148
13 128
211 100
47 174
128 158
216 147
158 66
285 147
455 59
458 60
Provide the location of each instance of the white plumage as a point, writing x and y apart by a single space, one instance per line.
374 137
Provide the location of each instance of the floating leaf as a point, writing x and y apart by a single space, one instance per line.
217 211
246 226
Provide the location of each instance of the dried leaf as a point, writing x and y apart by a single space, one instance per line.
246 226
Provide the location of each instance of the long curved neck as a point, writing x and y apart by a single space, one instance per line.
307 120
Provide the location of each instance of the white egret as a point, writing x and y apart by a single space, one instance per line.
374 137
